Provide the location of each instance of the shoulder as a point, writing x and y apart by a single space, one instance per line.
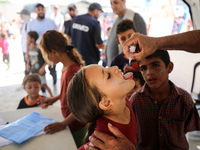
182 96
48 20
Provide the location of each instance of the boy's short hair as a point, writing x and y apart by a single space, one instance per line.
32 77
39 5
162 54
125 25
33 34
3 35
138 76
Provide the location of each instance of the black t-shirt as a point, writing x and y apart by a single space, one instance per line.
67 25
23 103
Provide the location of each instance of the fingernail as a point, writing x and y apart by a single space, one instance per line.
90 137
110 124
91 144
86 146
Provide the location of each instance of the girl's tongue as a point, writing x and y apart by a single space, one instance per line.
128 76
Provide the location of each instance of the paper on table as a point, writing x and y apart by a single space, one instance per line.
25 128
4 142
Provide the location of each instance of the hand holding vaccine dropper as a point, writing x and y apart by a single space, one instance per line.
132 50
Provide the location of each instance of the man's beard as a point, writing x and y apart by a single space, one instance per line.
41 17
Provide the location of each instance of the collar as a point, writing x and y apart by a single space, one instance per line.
33 103
175 91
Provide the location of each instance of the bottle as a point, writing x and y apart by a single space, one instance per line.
132 50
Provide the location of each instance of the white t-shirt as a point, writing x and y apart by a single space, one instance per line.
58 19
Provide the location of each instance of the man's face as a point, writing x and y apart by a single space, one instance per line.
72 12
40 12
118 6
97 13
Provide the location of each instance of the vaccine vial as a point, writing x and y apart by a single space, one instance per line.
132 50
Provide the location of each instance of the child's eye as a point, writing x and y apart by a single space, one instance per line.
142 69
156 65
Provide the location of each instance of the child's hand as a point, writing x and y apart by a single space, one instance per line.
41 71
28 67
44 102
128 68
54 127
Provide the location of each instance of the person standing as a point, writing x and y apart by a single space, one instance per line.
86 34
67 24
25 17
119 8
57 17
41 25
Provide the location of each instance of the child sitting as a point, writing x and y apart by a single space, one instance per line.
36 63
97 95
124 30
32 85
139 82
4 45
164 112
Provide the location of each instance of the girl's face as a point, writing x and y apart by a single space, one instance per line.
109 81
53 57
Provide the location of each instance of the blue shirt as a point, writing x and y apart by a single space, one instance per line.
41 26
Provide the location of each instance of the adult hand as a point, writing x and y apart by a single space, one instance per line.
147 46
54 127
107 142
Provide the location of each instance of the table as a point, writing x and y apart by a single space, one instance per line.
59 140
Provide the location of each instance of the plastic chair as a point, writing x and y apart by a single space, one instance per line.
194 74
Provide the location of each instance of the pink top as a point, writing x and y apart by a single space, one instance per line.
4 45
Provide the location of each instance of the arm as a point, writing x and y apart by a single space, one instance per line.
107 142
42 69
100 46
97 37
44 102
59 126
188 41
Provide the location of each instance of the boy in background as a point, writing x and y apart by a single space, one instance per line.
124 30
139 82
4 45
164 112
32 85
36 63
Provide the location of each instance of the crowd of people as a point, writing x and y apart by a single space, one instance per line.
107 107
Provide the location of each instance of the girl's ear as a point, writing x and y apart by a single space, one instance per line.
106 104
53 51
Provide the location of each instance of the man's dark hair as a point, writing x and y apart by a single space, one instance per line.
39 5
33 34
125 25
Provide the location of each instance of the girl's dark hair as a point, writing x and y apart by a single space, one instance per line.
125 25
83 100
54 40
